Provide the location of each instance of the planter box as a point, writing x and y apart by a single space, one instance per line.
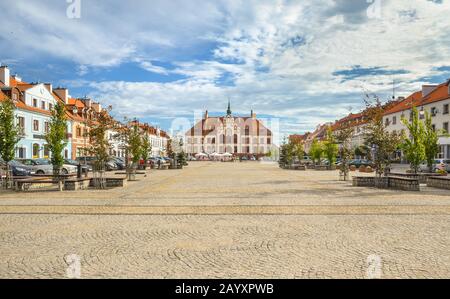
441 182
111 182
394 183
78 184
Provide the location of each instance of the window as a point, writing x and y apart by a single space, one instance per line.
22 152
433 127
35 103
213 141
247 130
35 125
14 96
21 124
394 120
35 151
47 127
50 106
46 151
78 132
43 105
445 109
445 127
66 154
386 123
433 111
268 140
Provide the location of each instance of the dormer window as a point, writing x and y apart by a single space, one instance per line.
43 105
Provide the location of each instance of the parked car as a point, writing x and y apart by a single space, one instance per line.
360 162
17 168
44 166
119 163
438 164
109 165
84 168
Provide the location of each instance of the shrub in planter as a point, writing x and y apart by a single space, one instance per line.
442 172
362 168
352 168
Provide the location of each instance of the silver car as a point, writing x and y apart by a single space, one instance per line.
44 166
438 164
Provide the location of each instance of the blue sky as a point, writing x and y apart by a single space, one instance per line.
302 62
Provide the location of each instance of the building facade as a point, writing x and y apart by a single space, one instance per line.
434 99
240 136
34 103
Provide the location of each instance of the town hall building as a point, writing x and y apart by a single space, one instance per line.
240 136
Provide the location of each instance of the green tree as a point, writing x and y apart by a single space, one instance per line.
9 135
377 136
413 145
181 156
9 132
430 141
344 138
298 151
330 147
135 144
99 145
56 137
146 148
283 159
316 151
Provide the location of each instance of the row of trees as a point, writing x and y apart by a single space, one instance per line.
419 144
290 151
137 146
422 142
327 148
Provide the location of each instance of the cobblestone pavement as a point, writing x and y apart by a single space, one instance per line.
224 220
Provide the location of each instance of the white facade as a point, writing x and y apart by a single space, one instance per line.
440 113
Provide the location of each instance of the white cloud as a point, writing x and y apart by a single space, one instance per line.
277 57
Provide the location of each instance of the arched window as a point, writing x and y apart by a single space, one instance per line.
46 151
35 151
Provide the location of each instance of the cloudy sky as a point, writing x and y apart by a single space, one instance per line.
304 62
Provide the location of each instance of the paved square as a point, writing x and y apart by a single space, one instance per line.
227 220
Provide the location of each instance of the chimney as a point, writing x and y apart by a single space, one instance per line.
63 93
97 107
252 115
4 75
427 89
49 87
87 102
206 114
17 78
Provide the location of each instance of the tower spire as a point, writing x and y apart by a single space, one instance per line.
229 108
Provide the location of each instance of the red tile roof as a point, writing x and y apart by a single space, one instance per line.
413 100
439 94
